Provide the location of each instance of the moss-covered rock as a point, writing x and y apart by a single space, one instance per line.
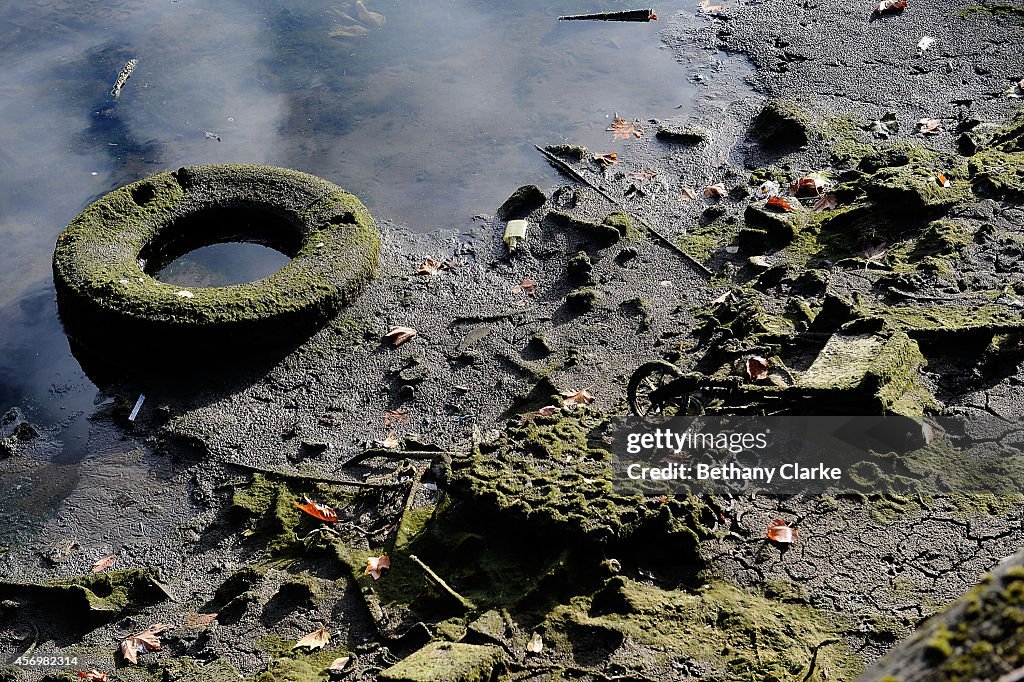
522 203
679 134
446 662
104 262
782 123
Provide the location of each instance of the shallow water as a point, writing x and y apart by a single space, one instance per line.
429 119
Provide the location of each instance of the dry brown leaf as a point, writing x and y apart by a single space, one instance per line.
398 416
581 397
93 675
643 176
535 645
396 336
340 664
757 368
826 203
376 565
529 286
779 531
319 511
317 639
779 203
142 642
430 267
891 6
391 441
716 191
200 620
930 126
622 129
545 411
688 194
104 563
609 159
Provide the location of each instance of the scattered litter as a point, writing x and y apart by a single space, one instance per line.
768 188
924 44
890 7
138 406
942 180
535 645
212 136
779 531
123 77
515 233
626 15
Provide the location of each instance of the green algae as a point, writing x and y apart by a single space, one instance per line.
447 662
100 278
782 122
740 634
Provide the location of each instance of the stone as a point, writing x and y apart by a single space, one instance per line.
446 662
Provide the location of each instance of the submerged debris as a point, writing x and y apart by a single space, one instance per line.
123 77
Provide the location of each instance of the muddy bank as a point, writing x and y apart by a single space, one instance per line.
485 462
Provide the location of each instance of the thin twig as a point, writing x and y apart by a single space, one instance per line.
466 604
675 247
398 454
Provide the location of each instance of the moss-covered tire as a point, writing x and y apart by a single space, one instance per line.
104 259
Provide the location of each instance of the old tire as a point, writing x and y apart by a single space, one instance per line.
103 261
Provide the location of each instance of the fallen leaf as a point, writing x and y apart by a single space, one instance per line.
826 203
339 664
924 44
643 176
535 645
884 127
396 336
319 511
391 441
609 159
545 411
942 180
430 267
808 185
92 674
104 563
873 252
891 6
722 299
779 203
200 620
688 194
398 416
142 642
706 6
757 368
317 639
716 191
581 397
930 126
529 286
376 565
779 532
622 129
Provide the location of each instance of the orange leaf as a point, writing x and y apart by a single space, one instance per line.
376 565
606 160
779 203
142 642
430 267
942 180
622 129
779 531
93 675
104 563
319 511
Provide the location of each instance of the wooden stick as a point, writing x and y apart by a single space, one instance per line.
466 604
397 454
307 477
627 15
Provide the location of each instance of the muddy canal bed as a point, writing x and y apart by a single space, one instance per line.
470 457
